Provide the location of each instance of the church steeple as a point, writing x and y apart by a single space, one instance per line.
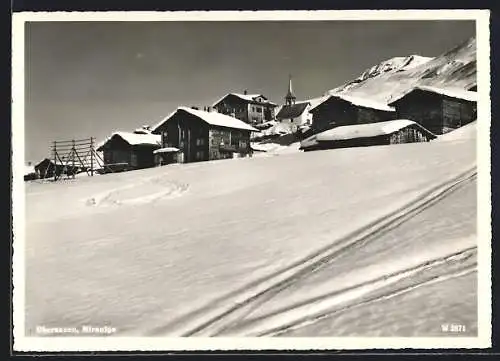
290 97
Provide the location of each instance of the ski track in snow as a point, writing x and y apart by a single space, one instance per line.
212 319
147 191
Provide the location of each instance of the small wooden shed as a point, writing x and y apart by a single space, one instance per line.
130 150
47 167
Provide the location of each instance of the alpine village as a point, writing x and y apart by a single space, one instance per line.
429 103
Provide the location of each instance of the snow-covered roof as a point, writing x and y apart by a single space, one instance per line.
134 139
292 111
362 131
449 92
166 150
358 101
246 97
212 118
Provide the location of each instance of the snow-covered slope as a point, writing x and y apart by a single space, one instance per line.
453 69
261 246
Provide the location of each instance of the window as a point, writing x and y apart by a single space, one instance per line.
259 110
243 144
200 141
133 160
199 155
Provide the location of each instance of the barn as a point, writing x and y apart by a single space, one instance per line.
129 150
200 135
361 135
339 109
438 110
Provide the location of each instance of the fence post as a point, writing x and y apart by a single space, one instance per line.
73 151
91 156
55 161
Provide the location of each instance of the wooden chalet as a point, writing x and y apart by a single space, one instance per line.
195 135
249 108
438 110
338 109
362 135
129 150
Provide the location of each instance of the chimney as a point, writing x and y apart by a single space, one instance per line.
245 92
193 107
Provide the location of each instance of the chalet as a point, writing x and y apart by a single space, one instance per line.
129 150
339 109
361 135
249 108
438 110
196 135
47 167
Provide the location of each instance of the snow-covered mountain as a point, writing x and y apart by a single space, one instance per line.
390 66
454 69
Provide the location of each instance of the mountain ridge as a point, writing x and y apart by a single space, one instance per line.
455 68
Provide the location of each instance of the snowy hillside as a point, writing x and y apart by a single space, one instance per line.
345 242
453 69
390 66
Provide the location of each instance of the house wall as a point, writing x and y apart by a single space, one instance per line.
437 113
256 113
333 113
189 134
366 115
225 142
457 113
336 112
410 134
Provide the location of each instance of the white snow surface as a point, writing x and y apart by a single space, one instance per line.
359 101
348 242
166 150
212 118
466 132
457 93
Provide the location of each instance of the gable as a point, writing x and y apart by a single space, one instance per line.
292 111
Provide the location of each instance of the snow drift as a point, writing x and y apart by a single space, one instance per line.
301 244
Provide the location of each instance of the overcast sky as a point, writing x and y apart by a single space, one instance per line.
90 79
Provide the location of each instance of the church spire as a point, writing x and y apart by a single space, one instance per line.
290 97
